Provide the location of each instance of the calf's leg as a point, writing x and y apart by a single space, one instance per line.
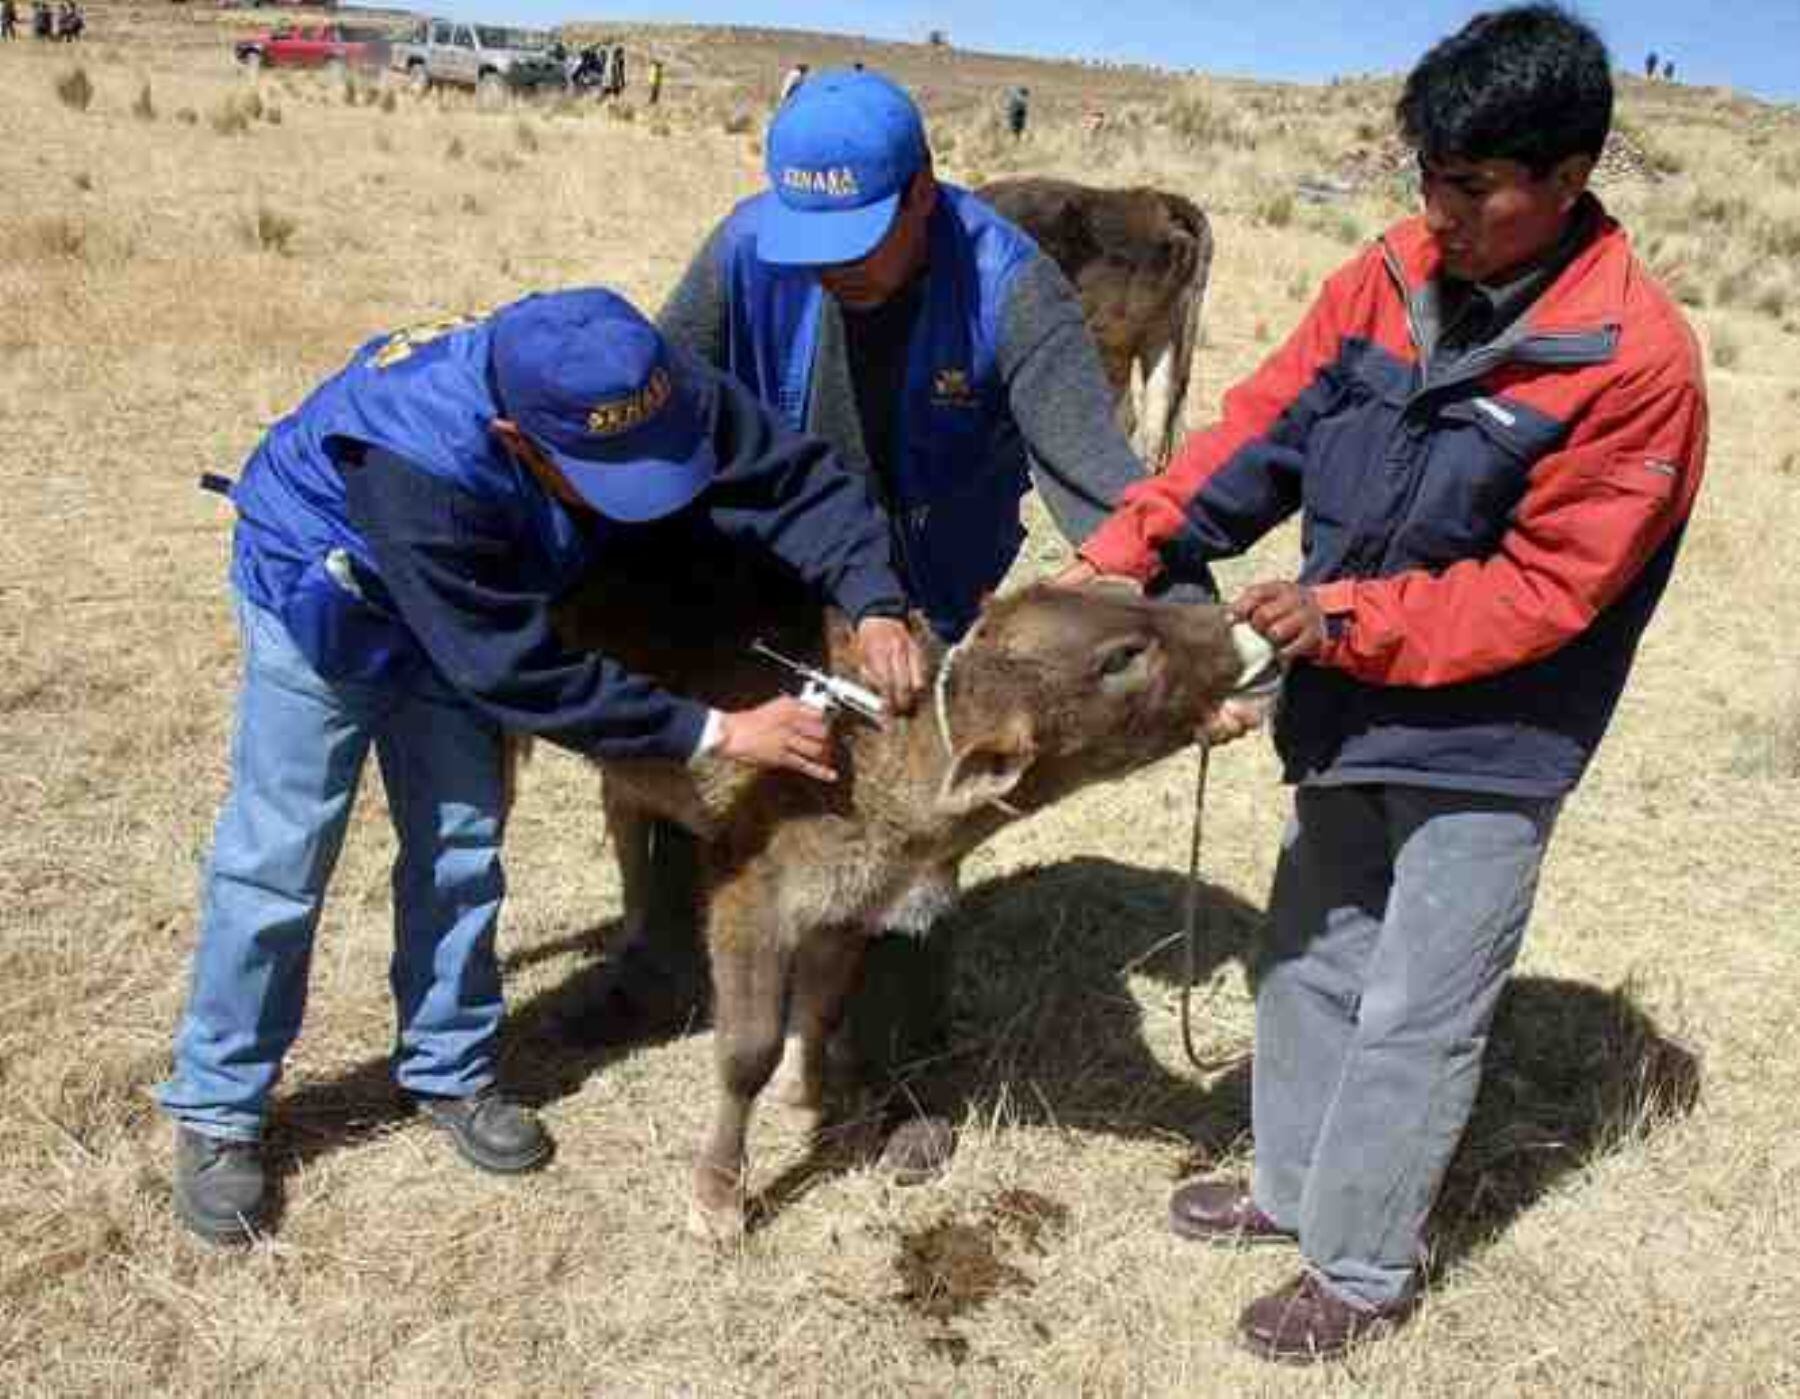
826 971
750 973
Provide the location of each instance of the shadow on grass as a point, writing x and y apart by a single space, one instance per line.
1047 1031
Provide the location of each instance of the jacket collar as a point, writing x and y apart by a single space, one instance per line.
1588 294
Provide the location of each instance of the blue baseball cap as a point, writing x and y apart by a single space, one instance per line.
592 383
840 153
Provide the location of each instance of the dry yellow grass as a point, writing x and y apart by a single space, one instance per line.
1624 1216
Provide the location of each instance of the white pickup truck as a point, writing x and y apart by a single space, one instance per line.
490 58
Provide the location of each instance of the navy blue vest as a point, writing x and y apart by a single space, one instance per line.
424 395
955 497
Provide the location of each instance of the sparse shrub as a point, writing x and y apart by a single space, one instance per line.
1192 116
74 90
1733 287
737 123
143 107
526 137
621 111
83 181
229 117
1726 352
661 129
389 100
454 151
1276 210
1772 300
57 236
267 230
471 205
271 114
1780 238
187 116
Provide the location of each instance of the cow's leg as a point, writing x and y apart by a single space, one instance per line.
628 827
826 970
750 973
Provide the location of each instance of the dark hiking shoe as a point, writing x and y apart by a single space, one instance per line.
1222 1212
489 1131
1303 1323
221 1191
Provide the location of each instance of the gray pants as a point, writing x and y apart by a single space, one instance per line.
1397 914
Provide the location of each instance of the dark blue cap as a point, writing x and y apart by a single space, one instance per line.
840 153
592 384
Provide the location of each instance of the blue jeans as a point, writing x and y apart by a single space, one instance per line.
297 755
1397 915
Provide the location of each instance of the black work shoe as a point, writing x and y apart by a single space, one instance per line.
221 1192
489 1131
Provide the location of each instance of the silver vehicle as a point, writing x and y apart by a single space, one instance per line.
490 58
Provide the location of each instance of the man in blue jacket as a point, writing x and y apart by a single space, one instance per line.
402 538
940 351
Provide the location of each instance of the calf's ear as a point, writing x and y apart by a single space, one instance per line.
987 768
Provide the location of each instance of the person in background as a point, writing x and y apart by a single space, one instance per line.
656 81
1493 426
402 538
1018 108
791 83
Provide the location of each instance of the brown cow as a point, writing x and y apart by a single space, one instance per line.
1139 258
1051 690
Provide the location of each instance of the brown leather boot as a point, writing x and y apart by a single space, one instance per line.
1222 1212
1302 1323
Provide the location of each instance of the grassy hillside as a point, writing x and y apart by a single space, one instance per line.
183 253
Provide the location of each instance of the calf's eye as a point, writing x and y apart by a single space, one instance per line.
1121 658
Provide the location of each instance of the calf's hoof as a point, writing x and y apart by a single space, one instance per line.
716 1213
918 1150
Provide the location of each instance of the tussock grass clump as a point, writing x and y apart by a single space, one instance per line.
1195 119
621 111
56 238
271 115
1276 210
143 106
232 115
737 123
471 204
268 230
390 101
83 181
1769 746
455 150
187 116
1725 349
74 90
525 135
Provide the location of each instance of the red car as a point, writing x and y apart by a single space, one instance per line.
333 46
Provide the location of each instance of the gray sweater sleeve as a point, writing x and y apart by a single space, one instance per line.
1080 461
694 315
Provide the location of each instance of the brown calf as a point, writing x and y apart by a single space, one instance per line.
1051 690
1139 258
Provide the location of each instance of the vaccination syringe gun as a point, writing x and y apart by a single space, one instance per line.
826 692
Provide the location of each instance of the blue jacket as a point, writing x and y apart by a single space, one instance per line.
387 528
954 496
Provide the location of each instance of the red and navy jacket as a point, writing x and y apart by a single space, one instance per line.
1488 544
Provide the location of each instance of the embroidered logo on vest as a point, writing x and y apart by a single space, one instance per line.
619 415
950 388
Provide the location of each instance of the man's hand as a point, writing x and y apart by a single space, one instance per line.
890 661
1233 719
1286 614
783 733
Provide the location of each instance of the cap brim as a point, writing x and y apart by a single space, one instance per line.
820 237
663 478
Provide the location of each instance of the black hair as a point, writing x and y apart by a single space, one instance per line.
1531 84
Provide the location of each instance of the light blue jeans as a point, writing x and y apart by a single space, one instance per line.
297 756
1397 914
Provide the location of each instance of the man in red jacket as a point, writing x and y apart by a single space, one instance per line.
1493 424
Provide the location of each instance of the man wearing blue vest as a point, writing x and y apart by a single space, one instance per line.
934 345
402 538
